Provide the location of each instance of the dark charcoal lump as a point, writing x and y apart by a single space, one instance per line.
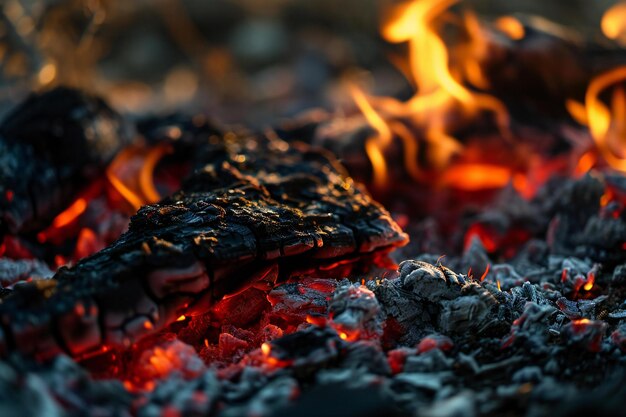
50 146
254 210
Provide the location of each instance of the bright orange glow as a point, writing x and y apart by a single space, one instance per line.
266 349
77 208
474 177
585 163
614 23
131 174
498 284
343 336
591 279
181 318
164 361
484 275
511 27
87 243
440 95
607 124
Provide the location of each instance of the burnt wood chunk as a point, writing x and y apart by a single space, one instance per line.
50 146
253 209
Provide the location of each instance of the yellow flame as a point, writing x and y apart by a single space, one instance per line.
607 124
440 92
614 23
131 174
374 146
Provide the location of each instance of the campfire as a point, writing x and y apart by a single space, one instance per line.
446 241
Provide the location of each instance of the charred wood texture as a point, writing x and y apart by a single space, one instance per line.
255 208
50 146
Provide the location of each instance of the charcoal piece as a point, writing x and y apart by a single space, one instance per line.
13 271
50 146
185 397
353 311
309 349
431 282
224 231
587 334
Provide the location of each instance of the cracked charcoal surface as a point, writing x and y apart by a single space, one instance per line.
50 146
252 211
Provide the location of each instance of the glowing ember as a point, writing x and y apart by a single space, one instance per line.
613 23
511 27
71 213
474 177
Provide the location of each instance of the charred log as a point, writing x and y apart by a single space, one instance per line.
255 209
50 146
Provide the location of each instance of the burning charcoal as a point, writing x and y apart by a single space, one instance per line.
581 308
430 282
476 259
274 396
59 388
469 312
430 361
529 328
224 232
585 333
295 301
366 355
618 337
13 271
434 341
182 397
353 311
307 349
574 205
51 145
164 361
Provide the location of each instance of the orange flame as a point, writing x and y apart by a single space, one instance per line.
440 93
511 27
606 124
473 177
614 24
131 174
77 208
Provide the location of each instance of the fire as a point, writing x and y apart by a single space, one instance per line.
607 124
375 144
131 174
511 27
613 23
473 177
591 279
440 93
77 208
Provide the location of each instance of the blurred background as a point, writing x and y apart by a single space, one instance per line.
246 61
